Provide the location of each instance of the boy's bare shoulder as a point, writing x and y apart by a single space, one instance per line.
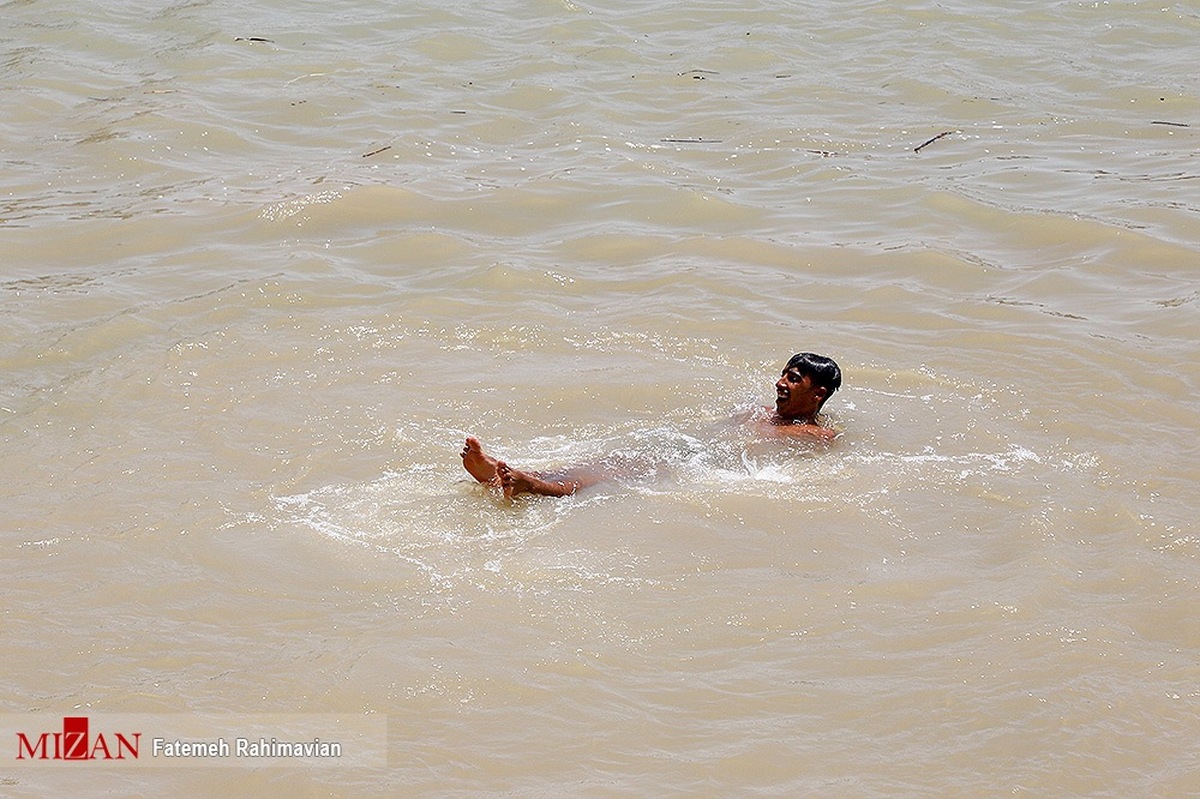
769 423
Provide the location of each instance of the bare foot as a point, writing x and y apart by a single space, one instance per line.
493 472
481 466
514 482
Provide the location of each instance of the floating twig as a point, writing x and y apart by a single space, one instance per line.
925 144
692 140
377 152
253 39
1172 124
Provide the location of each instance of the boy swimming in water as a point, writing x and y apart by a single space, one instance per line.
806 383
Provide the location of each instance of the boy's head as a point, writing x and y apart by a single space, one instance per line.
807 381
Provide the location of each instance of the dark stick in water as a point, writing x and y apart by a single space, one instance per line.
922 146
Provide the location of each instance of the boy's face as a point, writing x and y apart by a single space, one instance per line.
796 397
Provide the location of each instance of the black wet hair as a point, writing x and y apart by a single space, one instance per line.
823 371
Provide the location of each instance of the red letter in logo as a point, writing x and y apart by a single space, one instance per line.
75 738
123 745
